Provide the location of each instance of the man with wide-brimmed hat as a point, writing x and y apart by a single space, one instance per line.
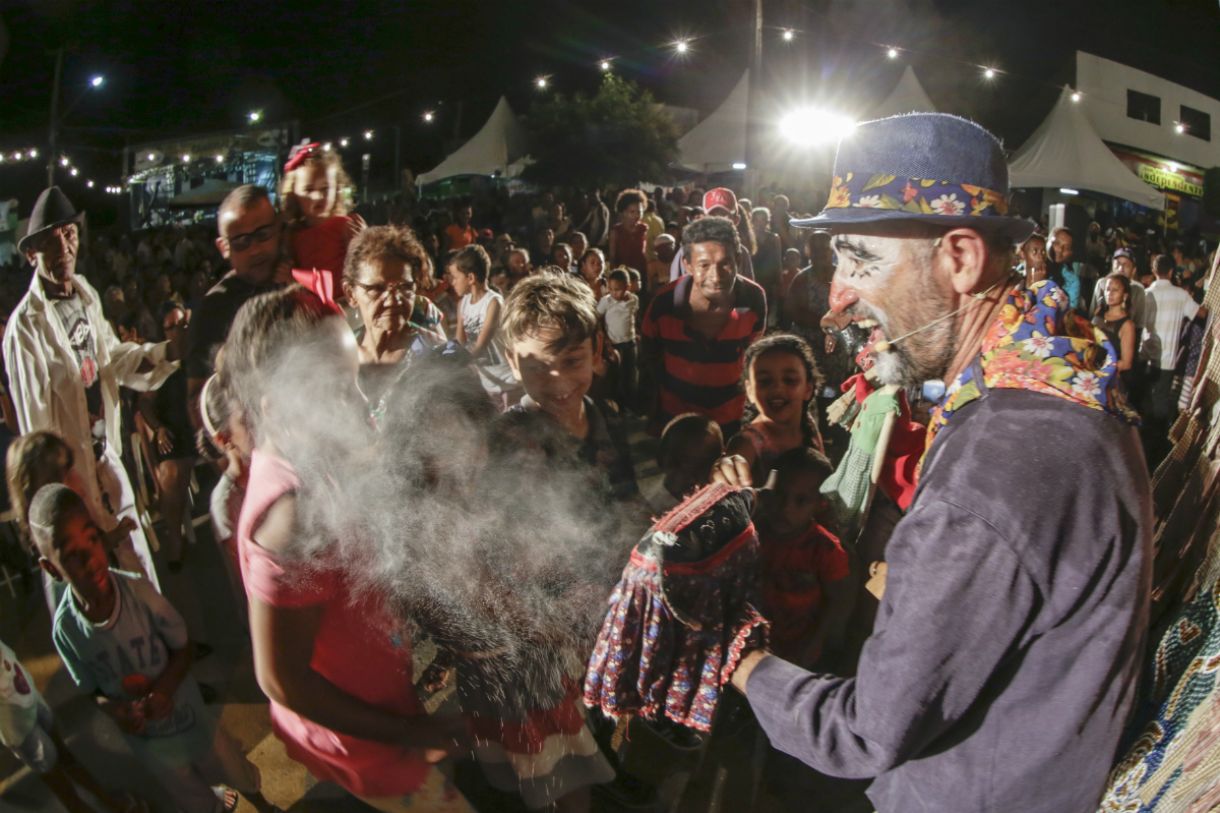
1003 662
65 367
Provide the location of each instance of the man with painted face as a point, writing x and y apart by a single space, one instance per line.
697 328
1003 662
65 367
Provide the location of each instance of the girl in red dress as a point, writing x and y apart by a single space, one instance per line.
315 192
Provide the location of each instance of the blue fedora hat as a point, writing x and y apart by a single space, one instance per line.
926 167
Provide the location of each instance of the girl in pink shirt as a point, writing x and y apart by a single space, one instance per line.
334 663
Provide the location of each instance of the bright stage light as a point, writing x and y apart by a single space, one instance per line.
429 116
152 156
368 135
255 116
810 126
89 184
892 53
33 153
75 172
220 159
604 65
1063 190
97 81
540 83
186 158
788 35
343 142
63 161
739 165
989 73
1076 96
682 46
1179 128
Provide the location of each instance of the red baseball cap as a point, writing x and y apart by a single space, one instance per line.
720 198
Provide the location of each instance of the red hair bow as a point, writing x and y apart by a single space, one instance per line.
299 154
322 283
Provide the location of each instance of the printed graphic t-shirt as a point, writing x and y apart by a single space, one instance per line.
75 319
122 656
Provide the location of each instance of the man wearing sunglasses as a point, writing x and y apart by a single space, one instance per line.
65 367
250 232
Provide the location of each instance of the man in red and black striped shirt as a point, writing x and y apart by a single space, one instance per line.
697 328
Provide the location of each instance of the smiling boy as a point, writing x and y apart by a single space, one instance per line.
550 331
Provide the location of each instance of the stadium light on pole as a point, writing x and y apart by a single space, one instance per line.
811 126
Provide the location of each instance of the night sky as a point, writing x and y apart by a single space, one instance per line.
188 66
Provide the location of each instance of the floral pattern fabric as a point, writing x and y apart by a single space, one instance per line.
1173 765
919 196
682 615
1039 344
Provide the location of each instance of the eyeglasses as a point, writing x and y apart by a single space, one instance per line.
241 242
381 290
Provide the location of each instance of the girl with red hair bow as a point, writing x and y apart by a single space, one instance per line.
315 192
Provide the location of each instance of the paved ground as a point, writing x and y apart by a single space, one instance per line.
201 593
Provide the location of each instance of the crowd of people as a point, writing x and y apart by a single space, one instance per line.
420 430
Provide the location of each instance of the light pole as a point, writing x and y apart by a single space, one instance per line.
53 135
95 82
752 101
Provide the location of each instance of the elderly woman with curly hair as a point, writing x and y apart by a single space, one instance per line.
379 279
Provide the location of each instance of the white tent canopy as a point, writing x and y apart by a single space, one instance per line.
719 141
1065 151
908 96
497 147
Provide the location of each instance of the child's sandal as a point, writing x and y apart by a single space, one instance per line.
228 797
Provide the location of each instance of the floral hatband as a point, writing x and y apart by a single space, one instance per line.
918 196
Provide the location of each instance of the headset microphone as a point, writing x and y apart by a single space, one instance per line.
885 345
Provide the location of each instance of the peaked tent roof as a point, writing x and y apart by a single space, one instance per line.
1065 151
908 96
495 148
719 141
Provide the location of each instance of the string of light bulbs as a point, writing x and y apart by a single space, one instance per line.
15 157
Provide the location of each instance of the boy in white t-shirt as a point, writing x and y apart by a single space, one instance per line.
618 310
